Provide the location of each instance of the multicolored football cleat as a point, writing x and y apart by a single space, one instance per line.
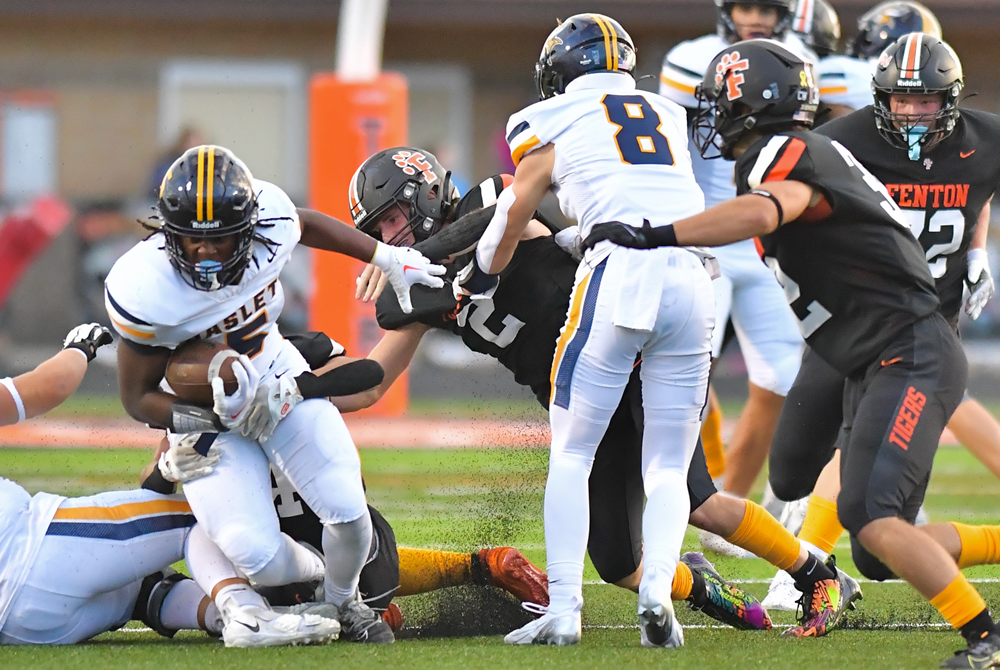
984 653
824 607
723 601
508 569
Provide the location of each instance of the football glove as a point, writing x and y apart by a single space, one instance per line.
568 239
405 267
980 283
88 338
625 235
274 401
181 463
234 410
472 282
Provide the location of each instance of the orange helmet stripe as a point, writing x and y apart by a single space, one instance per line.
199 194
607 38
210 184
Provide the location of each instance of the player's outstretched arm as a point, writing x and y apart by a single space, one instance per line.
755 213
515 208
52 382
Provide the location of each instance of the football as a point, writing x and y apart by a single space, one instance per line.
191 366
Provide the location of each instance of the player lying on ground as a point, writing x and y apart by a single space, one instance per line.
210 270
867 304
935 161
72 568
389 570
519 326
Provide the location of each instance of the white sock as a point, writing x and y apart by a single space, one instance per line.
567 525
346 547
292 563
815 551
664 520
180 609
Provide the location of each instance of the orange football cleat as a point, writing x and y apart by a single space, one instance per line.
508 569
393 616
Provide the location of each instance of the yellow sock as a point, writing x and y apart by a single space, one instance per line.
959 603
980 544
711 441
762 534
423 570
821 527
683 581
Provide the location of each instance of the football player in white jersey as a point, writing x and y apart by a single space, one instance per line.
747 291
609 152
210 271
72 568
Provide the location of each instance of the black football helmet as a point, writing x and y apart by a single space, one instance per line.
727 29
208 192
582 44
885 23
917 64
402 175
820 31
752 85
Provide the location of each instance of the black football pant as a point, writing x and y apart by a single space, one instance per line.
894 413
616 492
808 428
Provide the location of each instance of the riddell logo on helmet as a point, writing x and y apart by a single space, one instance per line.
730 70
412 162
205 225
909 82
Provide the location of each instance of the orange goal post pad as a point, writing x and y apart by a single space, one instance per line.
348 122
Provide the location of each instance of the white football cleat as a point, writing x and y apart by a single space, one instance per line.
259 627
794 514
782 595
658 627
561 630
713 542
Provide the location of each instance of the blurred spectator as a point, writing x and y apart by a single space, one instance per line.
187 138
105 233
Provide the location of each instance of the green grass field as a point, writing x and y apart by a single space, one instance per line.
464 499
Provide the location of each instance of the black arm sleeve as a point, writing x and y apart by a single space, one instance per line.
314 346
156 482
430 305
458 236
353 377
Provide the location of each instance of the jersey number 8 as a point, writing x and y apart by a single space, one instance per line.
639 139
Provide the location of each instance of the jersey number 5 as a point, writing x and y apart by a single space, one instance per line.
639 139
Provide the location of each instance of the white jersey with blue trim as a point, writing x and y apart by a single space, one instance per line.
845 81
684 67
150 303
23 522
620 153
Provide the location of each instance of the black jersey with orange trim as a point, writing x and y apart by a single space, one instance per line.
941 194
852 272
520 324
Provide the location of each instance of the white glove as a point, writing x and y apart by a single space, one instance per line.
471 282
979 281
405 267
233 410
274 401
568 239
88 338
181 463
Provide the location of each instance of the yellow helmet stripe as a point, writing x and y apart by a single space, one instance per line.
210 184
199 194
607 38
614 44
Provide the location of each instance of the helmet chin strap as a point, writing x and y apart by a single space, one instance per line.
913 136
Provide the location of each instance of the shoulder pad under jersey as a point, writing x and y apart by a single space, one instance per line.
684 67
845 81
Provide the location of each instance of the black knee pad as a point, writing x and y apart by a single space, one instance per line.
789 488
868 565
152 593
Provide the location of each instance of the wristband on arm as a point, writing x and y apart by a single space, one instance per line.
188 418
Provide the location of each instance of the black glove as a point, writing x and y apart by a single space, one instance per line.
625 235
88 338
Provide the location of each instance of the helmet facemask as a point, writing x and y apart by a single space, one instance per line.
418 222
916 133
213 275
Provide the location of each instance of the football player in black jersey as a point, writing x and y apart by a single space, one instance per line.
519 326
859 284
944 192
